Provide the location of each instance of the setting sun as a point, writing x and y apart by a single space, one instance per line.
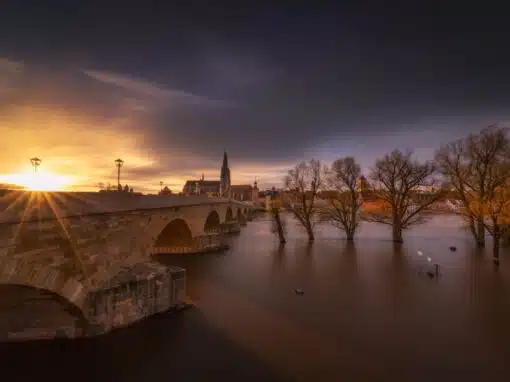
40 181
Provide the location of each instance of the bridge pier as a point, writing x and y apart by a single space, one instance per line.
230 227
134 294
211 241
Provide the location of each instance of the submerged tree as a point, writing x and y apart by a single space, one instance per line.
303 183
497 219
477 167
398 182
343 197
278 225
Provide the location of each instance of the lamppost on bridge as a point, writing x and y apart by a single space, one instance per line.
36 162
118 162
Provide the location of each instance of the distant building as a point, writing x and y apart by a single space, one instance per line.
202 187
223 187
241 192
362 184
255 191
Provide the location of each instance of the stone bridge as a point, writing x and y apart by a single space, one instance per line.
72 244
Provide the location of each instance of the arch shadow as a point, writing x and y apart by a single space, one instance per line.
11 288
175 234
212 222
52 280
229 215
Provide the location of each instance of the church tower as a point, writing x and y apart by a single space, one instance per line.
225 177
255 192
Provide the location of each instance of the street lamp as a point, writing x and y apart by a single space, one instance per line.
161 184
36 162
118 162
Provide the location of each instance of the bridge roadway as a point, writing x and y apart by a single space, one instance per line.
73 244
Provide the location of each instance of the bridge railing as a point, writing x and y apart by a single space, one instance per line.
177 250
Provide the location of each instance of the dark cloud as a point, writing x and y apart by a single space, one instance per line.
269 84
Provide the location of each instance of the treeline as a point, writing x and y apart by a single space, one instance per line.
110 188
476 169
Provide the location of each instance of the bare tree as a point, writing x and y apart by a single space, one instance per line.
475 168
303 183
278 225
496 222
343 196
397 183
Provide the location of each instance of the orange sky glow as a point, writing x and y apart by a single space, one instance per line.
78 153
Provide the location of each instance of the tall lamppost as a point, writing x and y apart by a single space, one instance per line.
36 162
161 185
118 162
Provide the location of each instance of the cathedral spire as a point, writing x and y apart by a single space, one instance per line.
225 159
225 176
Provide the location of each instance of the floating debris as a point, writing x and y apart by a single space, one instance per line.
420 253
429 259
299 291
426 270
453 248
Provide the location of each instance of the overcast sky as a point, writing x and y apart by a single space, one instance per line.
168 87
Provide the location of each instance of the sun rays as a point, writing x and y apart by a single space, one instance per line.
37 206
39 181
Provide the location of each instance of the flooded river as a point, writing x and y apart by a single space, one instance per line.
368 312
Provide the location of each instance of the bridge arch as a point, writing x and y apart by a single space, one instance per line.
26 307
229 215
212 221
175 234
45 278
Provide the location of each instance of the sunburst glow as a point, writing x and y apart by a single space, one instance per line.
40 181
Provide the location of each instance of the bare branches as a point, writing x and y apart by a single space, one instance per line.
303 183
477 167
344 199
405 188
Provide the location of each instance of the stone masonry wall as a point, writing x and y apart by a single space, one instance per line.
144 290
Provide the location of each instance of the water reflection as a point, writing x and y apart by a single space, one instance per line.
304 255
366 311
279 258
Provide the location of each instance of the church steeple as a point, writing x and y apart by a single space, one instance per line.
225 176
225 160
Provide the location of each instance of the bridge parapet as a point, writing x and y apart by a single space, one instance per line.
17 206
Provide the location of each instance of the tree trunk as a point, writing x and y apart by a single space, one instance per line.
309 231
495 248
350 235
480 233
397 233
279 226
